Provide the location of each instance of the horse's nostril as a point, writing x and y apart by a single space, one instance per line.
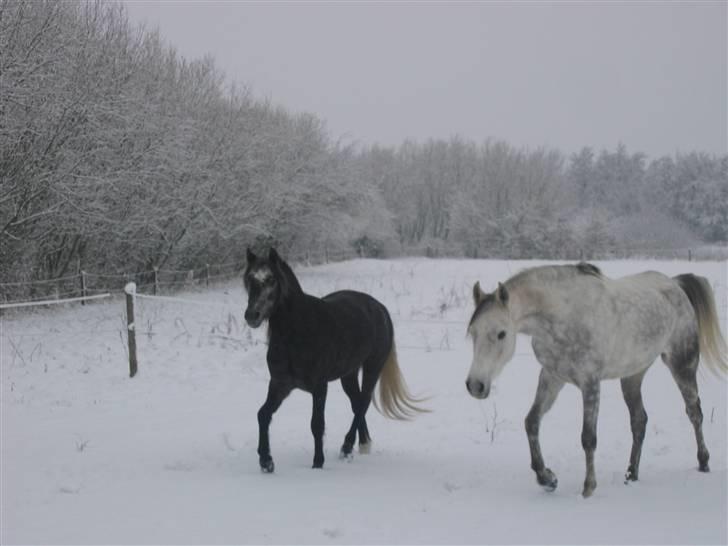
476 388
251 315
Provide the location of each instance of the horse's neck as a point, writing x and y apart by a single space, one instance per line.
529 303
293 286
290 313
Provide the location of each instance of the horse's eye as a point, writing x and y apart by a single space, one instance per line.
501 334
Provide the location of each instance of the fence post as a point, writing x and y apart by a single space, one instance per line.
155 289
130 290
690 255
83 287
207 275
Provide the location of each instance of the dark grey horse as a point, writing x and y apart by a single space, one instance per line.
585 328
312 341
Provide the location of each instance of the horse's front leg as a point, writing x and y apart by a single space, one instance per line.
590 396
277 392
318 424
549 387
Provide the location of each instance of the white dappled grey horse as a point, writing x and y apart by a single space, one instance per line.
585 328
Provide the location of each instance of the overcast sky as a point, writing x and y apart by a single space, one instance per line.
651 75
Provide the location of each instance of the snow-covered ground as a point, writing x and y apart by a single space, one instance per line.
90 456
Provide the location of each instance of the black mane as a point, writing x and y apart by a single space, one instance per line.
589 269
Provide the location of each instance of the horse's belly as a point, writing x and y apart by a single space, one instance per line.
637 348
628 366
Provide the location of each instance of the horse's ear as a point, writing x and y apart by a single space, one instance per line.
273 255
478 294
249 255
502 294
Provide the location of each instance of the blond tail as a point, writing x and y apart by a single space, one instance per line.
712 345
395 401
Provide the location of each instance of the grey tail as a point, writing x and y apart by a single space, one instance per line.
395 401
712 345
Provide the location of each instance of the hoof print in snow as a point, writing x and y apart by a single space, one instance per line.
450 487
331 533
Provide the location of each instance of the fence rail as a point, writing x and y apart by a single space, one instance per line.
83 284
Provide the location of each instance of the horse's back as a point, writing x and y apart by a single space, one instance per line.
652 288
361 317
624 324
346 300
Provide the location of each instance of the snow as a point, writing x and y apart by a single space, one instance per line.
90 456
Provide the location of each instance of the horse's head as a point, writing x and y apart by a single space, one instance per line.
494 339
263 279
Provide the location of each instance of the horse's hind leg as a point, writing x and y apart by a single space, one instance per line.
549 387
684 372
350 383
370 374
632 392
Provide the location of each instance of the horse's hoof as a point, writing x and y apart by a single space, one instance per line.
318 463
345 455
588 490
547 480
267 467
365 448
630 476
704 467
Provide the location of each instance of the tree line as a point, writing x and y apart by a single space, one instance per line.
117 154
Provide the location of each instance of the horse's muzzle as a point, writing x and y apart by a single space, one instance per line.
253 318
477 389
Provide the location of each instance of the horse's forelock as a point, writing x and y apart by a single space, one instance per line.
486 303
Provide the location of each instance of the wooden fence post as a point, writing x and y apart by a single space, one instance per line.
156 281
690 255
207 275
83 287
130 290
